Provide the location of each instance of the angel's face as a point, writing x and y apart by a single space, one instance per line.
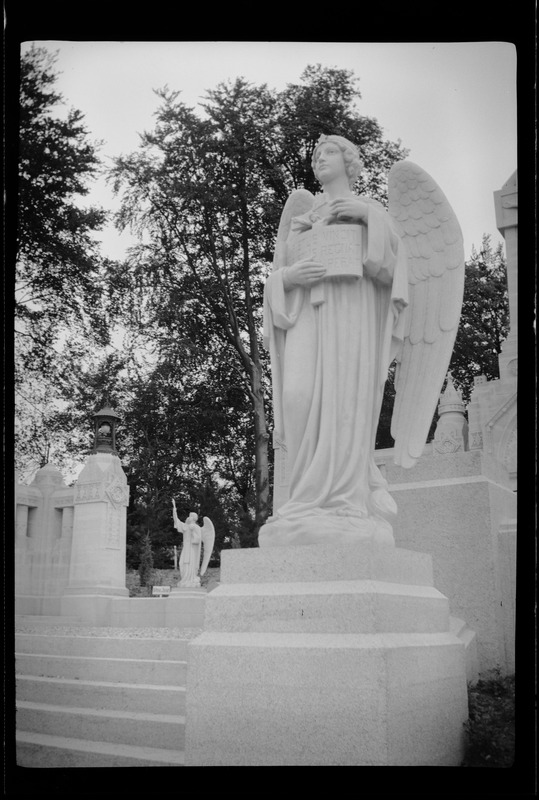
329 162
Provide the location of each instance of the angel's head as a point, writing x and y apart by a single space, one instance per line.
352 161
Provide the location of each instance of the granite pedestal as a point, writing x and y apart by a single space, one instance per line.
325 655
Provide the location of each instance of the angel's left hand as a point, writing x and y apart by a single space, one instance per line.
349 208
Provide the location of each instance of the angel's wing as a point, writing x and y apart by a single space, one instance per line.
299 202
208 540
434 245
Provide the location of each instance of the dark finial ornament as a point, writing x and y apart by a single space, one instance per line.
105 423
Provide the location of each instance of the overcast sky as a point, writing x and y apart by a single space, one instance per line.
453 105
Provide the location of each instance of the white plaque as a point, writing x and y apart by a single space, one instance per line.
337 247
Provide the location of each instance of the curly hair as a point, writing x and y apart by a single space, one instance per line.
352 161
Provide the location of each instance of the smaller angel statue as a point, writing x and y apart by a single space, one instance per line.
194 536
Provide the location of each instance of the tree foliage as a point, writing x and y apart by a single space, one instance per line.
205 192
57 279
146 561
484 322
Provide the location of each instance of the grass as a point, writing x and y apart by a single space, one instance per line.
490 730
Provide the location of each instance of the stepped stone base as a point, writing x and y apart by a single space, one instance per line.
320 655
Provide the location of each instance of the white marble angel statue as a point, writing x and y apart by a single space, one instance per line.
194 536
352 288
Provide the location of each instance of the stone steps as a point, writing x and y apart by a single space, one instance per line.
99 701
164 731
101 694
102 646
43 750
46 620
107 669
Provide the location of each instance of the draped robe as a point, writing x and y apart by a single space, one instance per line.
329 365
190 555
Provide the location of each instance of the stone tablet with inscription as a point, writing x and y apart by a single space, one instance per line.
337 247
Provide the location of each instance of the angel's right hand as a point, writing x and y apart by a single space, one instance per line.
303 273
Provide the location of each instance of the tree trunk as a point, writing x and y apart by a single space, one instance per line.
262 506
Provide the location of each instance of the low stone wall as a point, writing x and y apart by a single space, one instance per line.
176 611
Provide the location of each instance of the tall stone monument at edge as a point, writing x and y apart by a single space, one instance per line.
328 645
71 541
97 566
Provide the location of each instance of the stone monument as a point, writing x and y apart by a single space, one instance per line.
44 529
98 548
70 548
328 645
330 360
492 412
460 502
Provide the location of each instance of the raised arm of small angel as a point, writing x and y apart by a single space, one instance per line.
178 524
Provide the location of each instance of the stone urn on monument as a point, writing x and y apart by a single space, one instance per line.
341 646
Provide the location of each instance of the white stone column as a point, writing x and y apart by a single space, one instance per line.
98 549
451 434
506 206
21 527
62 548
21 522
492 412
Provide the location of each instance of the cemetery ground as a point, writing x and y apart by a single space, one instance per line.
490 730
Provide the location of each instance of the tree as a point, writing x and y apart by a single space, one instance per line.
484 322
146 561
54 408
205 194
383 433
326 102
58 282
170 434
57 263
